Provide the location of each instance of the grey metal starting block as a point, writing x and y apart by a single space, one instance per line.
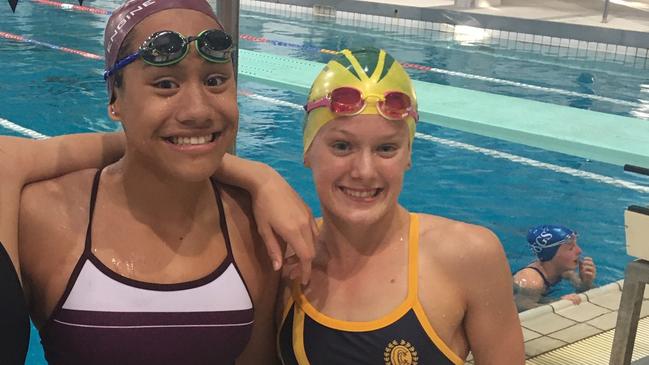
636 277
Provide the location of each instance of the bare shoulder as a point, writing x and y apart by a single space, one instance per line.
237 197
57 207
55 198
238 211
529 279
456 242
241 224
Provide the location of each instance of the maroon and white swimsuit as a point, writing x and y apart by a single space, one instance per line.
105 318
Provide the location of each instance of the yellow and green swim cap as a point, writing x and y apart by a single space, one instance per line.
372 71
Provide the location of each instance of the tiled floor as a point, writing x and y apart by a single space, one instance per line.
566 323
559 324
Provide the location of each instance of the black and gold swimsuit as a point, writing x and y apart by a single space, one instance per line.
403 337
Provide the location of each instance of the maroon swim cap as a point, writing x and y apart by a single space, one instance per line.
131 13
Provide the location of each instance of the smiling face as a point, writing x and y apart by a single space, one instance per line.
178 119
358 164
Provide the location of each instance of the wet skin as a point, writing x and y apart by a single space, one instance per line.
156 219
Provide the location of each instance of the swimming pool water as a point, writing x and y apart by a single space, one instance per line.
506 187
483 64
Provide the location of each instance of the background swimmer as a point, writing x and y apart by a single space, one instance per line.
558 257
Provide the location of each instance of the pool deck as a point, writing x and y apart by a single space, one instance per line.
627 22
623 15
562 333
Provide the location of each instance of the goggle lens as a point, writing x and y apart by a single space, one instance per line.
214 45
346 101
163 48
349 101
396 105
167 47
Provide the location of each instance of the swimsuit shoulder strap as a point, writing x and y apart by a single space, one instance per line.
545 280
91 210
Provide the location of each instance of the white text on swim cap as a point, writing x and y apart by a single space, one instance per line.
128 16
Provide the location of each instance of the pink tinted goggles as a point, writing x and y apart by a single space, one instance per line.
348 101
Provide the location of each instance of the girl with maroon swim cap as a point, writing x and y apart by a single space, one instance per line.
150 260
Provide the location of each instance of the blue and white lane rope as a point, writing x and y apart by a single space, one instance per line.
493 153
21 130
426 137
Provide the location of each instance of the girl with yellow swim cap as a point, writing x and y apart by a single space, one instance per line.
388 286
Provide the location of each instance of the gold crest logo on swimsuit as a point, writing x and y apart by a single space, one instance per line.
400 353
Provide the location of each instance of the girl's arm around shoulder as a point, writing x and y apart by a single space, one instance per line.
477 262
280 214
32 160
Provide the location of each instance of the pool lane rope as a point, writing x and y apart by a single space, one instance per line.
407 65
414 66
22 130
19 38
450 143
64 6
490 153
426 137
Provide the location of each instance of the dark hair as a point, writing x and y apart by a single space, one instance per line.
118 76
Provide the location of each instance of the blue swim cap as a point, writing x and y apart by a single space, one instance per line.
545 240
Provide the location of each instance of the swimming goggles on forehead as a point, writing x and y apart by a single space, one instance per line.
349 101
544 240
167 48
